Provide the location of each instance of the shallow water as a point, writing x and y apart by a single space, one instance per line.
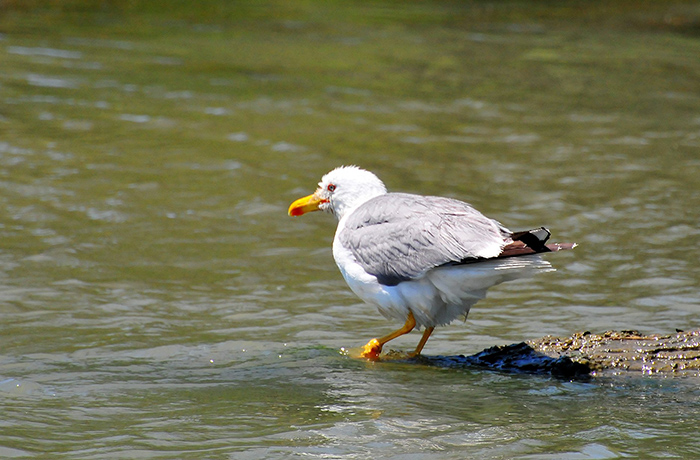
157 302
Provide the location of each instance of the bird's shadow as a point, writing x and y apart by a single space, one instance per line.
515 358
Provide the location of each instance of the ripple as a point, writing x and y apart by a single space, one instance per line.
238 137
51 81
135 118
286 147
49 52
19 387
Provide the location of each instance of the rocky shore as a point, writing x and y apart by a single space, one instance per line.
584 354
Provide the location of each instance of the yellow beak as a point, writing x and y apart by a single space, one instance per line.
303 205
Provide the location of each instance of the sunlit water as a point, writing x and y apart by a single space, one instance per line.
157 302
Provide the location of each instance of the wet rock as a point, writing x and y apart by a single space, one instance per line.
585 354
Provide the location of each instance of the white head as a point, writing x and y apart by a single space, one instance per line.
340 191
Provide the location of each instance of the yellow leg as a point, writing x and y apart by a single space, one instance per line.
374 346
421 344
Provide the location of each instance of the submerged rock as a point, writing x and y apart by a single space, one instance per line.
585 354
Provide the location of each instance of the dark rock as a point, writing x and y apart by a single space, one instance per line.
585 354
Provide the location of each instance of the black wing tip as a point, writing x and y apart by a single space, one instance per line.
535 239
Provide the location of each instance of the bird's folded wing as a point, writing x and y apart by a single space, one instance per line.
398 237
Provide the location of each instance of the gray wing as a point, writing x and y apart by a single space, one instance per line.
398 237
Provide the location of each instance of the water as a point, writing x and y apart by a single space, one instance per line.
157 302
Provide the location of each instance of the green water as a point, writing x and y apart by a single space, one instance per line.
157 302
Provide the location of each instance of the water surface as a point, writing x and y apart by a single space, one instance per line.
157 302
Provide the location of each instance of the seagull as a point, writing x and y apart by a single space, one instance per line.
423 260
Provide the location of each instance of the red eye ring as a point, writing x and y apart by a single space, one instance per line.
331 187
